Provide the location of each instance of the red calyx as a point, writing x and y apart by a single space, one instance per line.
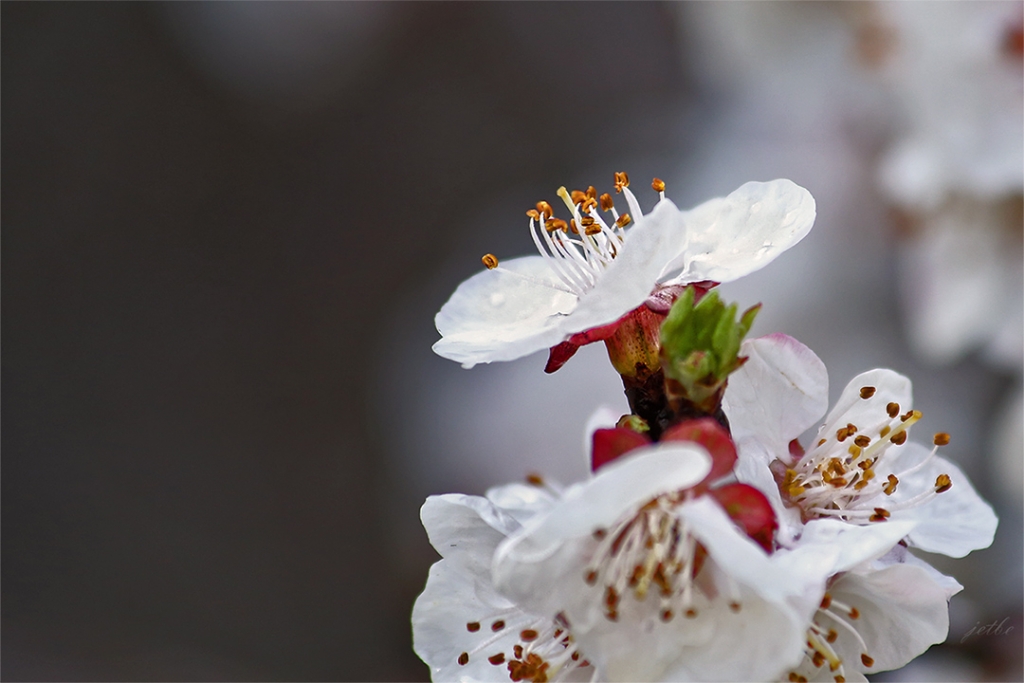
748 507
707 432
610 444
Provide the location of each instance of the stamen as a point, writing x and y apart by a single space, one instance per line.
463 659
867 392
943 483
893 409
623 220
941 439
545 209
497 659
490 260
473 626
658 185
606 202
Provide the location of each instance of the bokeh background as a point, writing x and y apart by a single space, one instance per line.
227 227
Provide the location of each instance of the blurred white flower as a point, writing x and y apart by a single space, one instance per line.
462 628
724 609
860 468
590 273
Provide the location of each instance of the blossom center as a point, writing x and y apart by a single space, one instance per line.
542 650
837 477
822 633
580 250
650 548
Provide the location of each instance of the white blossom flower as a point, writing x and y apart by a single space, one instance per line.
658 584
462 628
877 614
860 468
591 272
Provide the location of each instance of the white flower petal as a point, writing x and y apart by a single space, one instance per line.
631 277
734 236
856 544
521 501
890 387
953 523
780 392
466 530
451 600
903 611
496 316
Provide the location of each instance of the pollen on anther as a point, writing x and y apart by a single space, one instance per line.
832 635
863 441
534 214
658 185
890 488
528 635
621 180
899 438
464 659
556 224
943 483
623 220
473 626
497 659
893 409
578 196
867 392
545 209
909 414
818 659
606 202
867 661
941 439
490 261
854 613
498 625
592 230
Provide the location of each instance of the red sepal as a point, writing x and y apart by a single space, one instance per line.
609 444
750 510
796 450
561 353
712 436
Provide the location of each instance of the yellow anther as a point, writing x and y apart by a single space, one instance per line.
658 185
941 439
943 483
592 229
545 209
534 214
490 260
621 180
578 196
863 441
884 432
795 490
854 450
556 224
606 202
572 226
890 488
623 220
592 192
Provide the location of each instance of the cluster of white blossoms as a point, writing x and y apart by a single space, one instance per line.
708 544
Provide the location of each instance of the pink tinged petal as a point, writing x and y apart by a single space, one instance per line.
750 510
900 555
752 468
734 236
495 316
466 530
903 611
780 392
609 444
954 522
712 436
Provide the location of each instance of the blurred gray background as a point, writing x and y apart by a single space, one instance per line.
226 229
